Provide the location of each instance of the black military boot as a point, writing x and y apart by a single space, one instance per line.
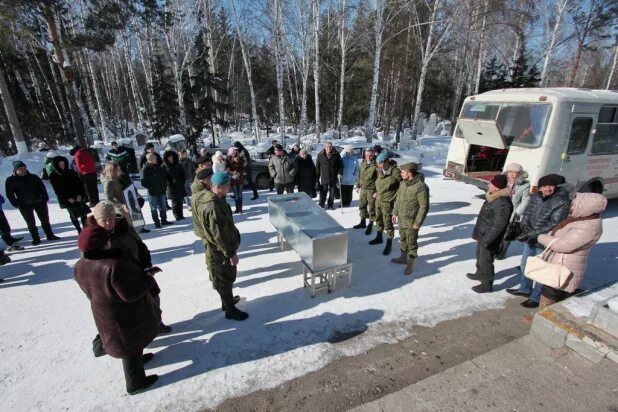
155 219
387 247
369 228
361 225
485 287
236 300
377 240
409 266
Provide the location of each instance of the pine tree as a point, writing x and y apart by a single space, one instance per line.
494 76
165 119
523 75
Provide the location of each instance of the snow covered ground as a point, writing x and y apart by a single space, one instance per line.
47 326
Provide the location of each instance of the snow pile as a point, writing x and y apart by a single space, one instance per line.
47 328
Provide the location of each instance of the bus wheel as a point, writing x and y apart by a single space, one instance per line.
592 187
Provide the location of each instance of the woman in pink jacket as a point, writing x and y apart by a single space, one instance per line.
574 237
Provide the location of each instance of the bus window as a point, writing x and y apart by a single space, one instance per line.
605 140
523 124
580 131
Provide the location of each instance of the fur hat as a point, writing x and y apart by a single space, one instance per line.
551 180
220 178
104 210
499 181
92 238
514 167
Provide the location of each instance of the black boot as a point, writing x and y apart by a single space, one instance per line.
134 374
51 236
377 240
483 288
155 219
387 247
235 314
369 228
361 225
236 300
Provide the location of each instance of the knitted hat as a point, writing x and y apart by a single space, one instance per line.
382 157
409 166
220 178
204 174
514 167
17 164
93 237
499 181
232 151
104 210
551 180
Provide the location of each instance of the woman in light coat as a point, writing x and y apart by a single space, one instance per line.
218 162
348 178
574 237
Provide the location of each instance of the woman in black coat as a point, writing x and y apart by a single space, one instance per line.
176 177
305 173
69 191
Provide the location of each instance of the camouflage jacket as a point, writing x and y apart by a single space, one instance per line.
213 222
367 176
387 183
412 202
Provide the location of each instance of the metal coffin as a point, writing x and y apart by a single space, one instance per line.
319 240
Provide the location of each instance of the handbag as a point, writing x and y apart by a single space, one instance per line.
554 275
78 209
513 230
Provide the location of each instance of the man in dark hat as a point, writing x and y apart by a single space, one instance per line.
410 210
489 230
27 193
547 207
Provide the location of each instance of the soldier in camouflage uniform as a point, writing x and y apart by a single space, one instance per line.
214 224
387 185
410 210
366 184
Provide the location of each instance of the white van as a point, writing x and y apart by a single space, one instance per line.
571 132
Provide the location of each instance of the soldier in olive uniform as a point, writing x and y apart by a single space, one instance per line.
410 210
366 184
214 224
387 185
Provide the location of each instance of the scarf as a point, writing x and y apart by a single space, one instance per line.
571 219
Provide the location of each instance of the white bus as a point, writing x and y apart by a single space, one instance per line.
571 132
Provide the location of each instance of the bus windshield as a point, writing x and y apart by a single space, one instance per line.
521 124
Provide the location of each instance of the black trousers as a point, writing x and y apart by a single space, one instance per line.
5 228
41 211
91 188
134 373
329 189
250 181
485 263
177 205
76 221
289 188
346 195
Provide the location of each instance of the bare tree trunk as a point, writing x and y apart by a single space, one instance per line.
9 108
66 70
561 6
479 66
379 31
51 93
137 97
316 63
343 46
613 69
279 60
247 63
37 89
402 89
208 22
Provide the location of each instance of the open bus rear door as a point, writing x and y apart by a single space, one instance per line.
481 132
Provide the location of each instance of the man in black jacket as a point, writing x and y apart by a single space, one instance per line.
548 207
328 169
27 193
489 231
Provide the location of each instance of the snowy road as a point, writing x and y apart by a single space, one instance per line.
47 326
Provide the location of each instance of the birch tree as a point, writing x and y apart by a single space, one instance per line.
315 13
612 71
302 12
9 108
561 8
276 11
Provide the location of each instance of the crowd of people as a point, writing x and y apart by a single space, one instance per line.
116 273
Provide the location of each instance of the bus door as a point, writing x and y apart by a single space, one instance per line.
575 157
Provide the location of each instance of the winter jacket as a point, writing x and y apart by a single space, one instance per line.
246 156
131 160
189 168
25 190
153 178
66 183
143 160
215 224
350 170
236 169
493 219
387 182
113 190
120 156
576 238
305 175
175 175
84 162
282 169
328 168
520 194
124 311
412 203
367 176
543 213
219 165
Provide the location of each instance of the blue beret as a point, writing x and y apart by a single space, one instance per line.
382 157
220 178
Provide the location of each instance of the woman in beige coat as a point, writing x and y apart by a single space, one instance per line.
574 237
